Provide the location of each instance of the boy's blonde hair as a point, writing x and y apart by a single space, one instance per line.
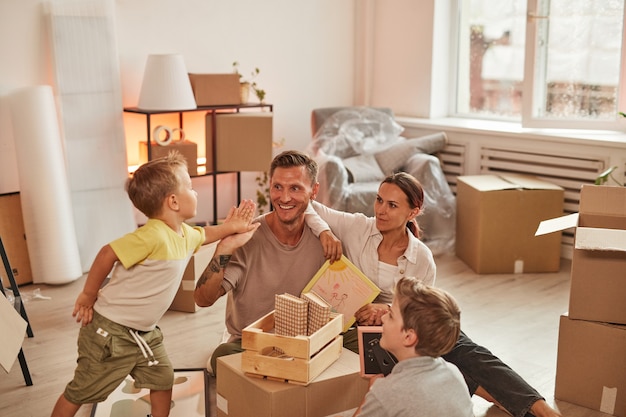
153 181
432 313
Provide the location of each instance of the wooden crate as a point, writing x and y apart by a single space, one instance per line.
296 359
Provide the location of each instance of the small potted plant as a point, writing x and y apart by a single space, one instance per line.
247 85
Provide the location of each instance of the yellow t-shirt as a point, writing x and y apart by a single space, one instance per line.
152 260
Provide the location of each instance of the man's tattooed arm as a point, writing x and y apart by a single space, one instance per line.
216 267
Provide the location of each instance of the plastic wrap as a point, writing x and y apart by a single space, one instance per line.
356 131
438 218
363 143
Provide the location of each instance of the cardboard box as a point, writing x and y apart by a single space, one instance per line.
14 240
308 356
243 141
187 148
598 282
215 89
338 389
183 301
496 221
591 365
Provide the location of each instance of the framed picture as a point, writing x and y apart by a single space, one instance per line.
374 359
344 287
189 397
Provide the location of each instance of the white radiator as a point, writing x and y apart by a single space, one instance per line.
569 171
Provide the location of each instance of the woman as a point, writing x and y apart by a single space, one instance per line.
385 248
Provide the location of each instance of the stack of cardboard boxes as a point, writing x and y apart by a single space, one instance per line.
591 361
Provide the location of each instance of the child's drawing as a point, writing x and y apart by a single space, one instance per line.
345 288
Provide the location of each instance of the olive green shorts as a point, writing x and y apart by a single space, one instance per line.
108 353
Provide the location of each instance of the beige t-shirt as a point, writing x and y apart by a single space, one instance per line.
264 267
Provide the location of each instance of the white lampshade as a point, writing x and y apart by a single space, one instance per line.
166 84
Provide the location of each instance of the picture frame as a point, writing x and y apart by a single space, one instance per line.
374 359
190 397
344 287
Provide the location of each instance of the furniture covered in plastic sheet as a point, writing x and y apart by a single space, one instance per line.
357 147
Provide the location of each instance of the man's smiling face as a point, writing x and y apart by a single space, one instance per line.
290 193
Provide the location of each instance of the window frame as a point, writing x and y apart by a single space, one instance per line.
533 84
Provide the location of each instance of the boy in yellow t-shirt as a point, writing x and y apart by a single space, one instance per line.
119 334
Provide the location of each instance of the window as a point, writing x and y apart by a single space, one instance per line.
548 63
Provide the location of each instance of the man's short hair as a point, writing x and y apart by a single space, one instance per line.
290 159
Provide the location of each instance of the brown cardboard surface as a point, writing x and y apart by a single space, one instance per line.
598 286
183 301
14 240
337 389
496 221
603 199
187 148
13 330
591 365
243 141
215 89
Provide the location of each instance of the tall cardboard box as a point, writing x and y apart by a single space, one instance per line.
243 141
598 278
497 217
14 240
338 389
591 365
183 301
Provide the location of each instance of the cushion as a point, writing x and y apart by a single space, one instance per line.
363 168
393 158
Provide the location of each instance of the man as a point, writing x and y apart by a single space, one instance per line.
282 255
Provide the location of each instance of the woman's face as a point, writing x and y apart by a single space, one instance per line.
392 208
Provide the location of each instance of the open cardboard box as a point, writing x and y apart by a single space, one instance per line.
598 282
496 218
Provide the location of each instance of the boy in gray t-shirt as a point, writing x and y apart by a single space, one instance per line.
424 323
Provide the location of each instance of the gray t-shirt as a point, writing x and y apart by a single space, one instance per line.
264 267
421 386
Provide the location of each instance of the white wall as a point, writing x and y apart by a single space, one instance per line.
304 49
403 56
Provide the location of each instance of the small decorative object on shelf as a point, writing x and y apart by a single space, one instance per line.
163 142
247 85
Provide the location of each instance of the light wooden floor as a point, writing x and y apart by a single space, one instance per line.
515 316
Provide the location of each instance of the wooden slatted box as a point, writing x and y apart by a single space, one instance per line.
296 359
